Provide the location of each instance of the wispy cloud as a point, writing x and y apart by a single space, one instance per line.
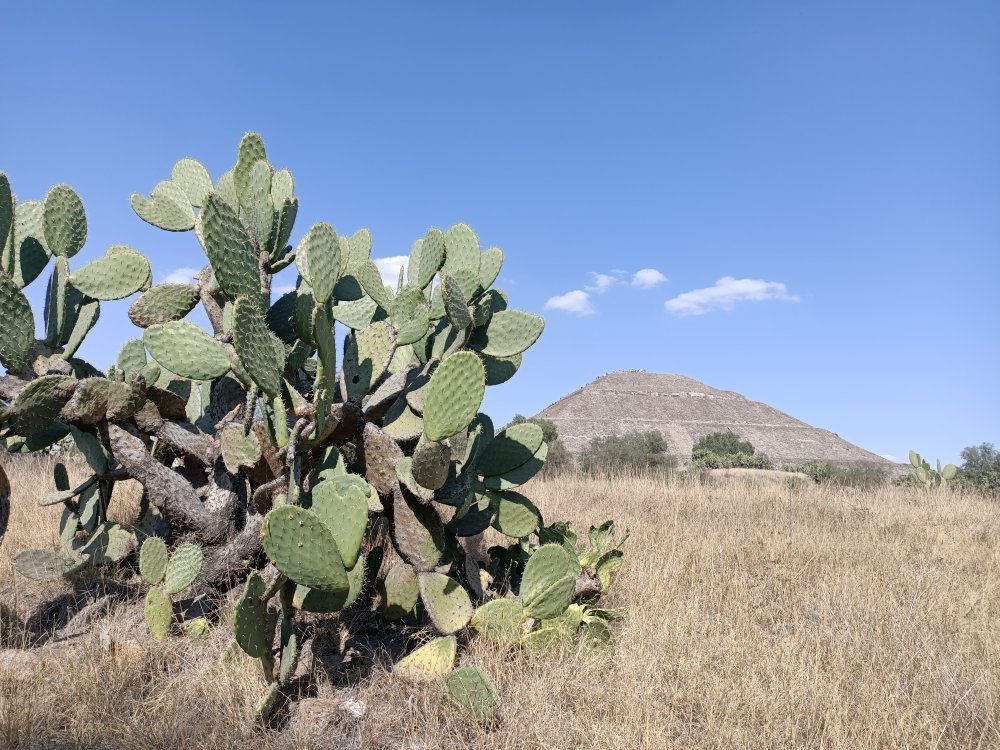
725 293
576 302
389 268
181 276
280 289
890 457
602 282
647 278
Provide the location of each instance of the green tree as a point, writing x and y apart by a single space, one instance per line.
725 450
632 452
981 467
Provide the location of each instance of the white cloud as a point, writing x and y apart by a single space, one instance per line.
389 268
576 302
725 293
181 276
647 278
889 457
602 282
280 289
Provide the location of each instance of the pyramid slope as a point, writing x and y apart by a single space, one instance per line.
684 410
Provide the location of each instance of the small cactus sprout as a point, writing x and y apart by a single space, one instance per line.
285 451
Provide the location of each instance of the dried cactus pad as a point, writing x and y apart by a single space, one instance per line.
548 582
471 689
187 350
454 395
428 662
183 567
302 547
153 560
239 449
446 601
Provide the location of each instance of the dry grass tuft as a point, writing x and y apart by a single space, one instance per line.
761 615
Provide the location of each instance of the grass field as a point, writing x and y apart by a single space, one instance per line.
760 616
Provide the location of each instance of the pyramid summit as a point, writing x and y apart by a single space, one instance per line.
683 411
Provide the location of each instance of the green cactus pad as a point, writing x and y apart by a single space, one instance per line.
516 516
461 249
596 639
250 626
186 350
511 447
366 356
548 582
454 302
6 213
163 303
311 600
447 603
115 276
500 620
65 221
357 314
168 207
56 296
282 187
159 612
251 151
607 565
430 465
40 401
344 510
85 319
261 352
239 450
183 567
550 638
317 257
428 662
454 395
418 532
191 177
471 689
489 266
26 250
400 591
371 281
46 565
303 548
401 423
289 650
520 475
153 560
17 334
259 215
474 522
509 332
4 503
404 471
230 249
426 259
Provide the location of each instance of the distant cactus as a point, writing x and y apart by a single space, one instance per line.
932 478
271 460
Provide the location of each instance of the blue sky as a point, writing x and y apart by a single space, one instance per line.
812 193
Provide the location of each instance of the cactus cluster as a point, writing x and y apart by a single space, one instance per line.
932 478
279 456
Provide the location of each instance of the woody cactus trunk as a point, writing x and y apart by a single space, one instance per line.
270 456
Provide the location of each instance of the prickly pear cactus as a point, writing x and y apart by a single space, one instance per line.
301 440
932 478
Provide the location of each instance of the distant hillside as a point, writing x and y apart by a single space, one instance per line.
684 410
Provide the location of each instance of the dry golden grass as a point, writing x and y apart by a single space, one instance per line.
761 616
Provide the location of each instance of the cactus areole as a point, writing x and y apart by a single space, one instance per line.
276 456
